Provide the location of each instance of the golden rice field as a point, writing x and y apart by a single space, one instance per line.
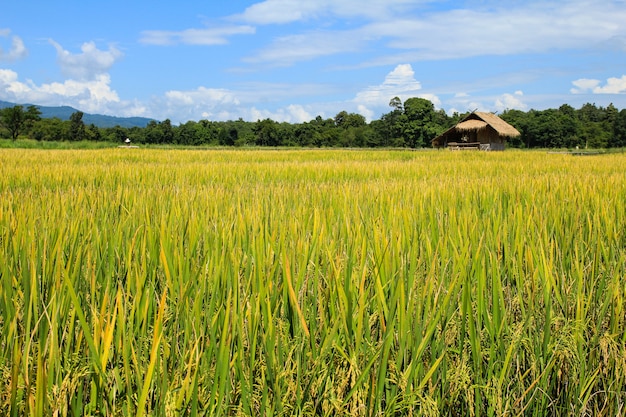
311 282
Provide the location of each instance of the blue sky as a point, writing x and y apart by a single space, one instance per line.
291 60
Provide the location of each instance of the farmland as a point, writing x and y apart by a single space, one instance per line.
311 282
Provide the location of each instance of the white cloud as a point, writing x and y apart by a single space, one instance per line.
226 104
203 36
16 51
504 30
613 85
584 85
365 112
494 29
287 50
10 84
510 101
279 11
90 64
293 113
463 102
289 11
400 83
201 97
298 114
91 96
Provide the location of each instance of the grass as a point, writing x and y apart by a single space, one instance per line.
232 282
37 144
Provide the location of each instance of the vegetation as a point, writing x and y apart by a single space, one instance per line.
411 124
15 119
362 283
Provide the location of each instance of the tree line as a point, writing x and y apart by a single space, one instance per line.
412 123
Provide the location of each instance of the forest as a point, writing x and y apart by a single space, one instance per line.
411 124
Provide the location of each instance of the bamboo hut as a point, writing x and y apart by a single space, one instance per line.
478 131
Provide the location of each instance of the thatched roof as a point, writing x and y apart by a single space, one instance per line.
469 125
499 125
476 121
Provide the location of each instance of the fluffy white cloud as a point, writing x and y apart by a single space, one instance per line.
202 97
278 99
290 114
203 36
9 82
584 85
90 64
464 102
298 114
613 85
16 51
400 83
92 96
224 104
510 101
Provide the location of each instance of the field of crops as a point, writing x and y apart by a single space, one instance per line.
311 282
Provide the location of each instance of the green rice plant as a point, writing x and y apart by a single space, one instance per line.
311 282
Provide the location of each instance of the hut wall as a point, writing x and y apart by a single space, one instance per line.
489 136
491 140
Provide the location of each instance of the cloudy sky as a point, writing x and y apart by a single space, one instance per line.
292 60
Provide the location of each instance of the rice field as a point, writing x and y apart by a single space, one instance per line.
137 282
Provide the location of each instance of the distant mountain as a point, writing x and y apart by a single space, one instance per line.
99 120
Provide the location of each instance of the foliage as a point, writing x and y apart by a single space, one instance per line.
412 124
77 127
588 127
15 119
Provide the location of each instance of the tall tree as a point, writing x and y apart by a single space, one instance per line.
396 104
15 119
77 126
346 120
420 127
167 131
266 132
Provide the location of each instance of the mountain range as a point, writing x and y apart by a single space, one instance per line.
99 120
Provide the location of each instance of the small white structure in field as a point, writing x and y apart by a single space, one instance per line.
126 144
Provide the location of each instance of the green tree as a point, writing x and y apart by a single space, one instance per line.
152 132
346 120
187 134
389 129
167 131
77 126
93 133
228 135
619 130
596 128
420 125
396 104
266 132
117 134
15 119
517 119
53 129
